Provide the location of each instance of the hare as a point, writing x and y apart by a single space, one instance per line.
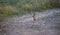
35 19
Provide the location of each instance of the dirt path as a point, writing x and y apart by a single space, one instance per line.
48 24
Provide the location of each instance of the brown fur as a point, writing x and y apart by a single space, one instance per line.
35 18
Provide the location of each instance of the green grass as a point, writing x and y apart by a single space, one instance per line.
19 7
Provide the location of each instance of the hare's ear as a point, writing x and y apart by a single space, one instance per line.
34 14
